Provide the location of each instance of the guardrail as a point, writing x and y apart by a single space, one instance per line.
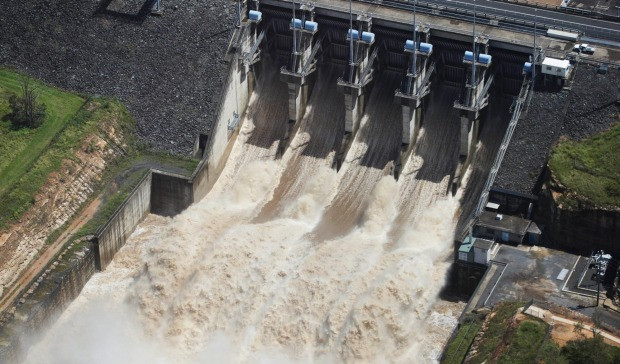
565 9
502 15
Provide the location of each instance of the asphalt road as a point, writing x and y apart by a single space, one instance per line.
590 27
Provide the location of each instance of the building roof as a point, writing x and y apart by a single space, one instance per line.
467 245
512 224
492 205
534 229
483 244
554 62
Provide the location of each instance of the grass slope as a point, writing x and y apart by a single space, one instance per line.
524 342
459 346
19 197
591 167
19 149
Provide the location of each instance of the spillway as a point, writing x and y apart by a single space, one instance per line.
428 172
370 157
286 259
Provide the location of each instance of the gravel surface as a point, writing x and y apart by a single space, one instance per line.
588 108
168 70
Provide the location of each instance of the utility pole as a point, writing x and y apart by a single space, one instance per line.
534 60
598 278
294 66
473 64
414 68
351 64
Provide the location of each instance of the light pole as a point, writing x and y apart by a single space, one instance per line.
294 66
473 64
351 64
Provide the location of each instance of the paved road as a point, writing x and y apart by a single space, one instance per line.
590 27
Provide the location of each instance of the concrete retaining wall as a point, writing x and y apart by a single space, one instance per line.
170 193
580 229
235 99
112 236
45 300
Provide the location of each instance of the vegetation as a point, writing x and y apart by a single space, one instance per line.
497 325
590 168
26 110
28 156
591 351
459 346
21 148
19 196
525 342
506 341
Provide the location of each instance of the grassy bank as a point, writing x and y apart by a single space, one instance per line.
20 148
459 346
29 156
590 168
28 180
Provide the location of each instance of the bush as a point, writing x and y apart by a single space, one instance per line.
591 351
26 111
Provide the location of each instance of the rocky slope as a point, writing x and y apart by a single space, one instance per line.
168 70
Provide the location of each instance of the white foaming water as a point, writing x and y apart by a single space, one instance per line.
215 285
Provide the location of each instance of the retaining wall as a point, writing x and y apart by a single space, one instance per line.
580 229
112 236
46 298
170 193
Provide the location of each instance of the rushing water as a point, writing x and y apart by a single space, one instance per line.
286 260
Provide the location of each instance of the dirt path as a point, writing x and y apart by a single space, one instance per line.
48 254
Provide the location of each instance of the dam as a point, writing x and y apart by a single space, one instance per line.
356 141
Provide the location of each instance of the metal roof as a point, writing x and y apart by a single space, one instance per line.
554 62
512 224
467 245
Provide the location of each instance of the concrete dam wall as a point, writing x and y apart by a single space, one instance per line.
367 232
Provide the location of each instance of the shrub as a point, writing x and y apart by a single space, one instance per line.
26 111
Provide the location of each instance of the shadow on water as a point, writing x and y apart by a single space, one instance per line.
496 119
382 129
315 143
325 114
437 147
370 157
269 112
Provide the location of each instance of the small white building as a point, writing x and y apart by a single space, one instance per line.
482 251
556 67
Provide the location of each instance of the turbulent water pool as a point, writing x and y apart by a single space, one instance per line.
287 260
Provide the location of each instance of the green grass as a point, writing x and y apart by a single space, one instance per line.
28 156
19 149
550 353
458 347
591 167
524 342
17 199
495 331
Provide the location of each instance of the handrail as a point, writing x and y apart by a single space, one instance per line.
368 67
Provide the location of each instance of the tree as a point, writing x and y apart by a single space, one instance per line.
26 111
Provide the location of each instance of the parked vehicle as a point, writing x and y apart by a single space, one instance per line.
584 48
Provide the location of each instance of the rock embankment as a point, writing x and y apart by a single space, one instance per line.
168 70
588 108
